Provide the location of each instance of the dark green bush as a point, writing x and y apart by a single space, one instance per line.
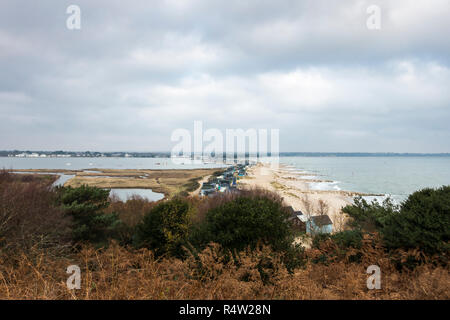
423 222
348 239
245 221
164 228
319 238
370 216
85 204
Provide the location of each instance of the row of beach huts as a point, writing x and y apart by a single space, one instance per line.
227 182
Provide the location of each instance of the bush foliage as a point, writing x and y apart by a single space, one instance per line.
245 221
85 205
421 221
164 228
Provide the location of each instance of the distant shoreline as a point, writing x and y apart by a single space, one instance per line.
121 154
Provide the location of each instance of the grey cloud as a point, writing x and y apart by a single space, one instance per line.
138 70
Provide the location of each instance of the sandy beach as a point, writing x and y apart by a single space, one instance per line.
296 192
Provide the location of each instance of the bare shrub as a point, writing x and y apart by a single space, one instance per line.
131 211
28 216
322 207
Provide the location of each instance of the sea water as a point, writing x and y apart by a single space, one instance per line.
78 163
397 176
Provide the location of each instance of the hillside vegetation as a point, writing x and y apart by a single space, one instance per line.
226 247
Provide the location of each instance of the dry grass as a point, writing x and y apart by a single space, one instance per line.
118 273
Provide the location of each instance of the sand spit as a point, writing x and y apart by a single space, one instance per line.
297 193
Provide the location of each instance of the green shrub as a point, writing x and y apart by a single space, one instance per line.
85 204
348 239
245 221
370 216
423 222
319 238
164 228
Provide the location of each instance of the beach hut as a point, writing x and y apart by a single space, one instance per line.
319 224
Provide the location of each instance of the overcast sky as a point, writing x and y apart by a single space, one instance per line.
138 70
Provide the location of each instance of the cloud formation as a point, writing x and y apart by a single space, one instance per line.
138 70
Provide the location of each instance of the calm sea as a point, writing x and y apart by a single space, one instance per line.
101 163
398 176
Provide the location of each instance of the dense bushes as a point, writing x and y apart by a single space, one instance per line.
422 221
344 239
164 228
370 216
119 273
233 222
245 221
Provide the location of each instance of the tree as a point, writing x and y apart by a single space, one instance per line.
164 228
85 205
370 216
423 222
